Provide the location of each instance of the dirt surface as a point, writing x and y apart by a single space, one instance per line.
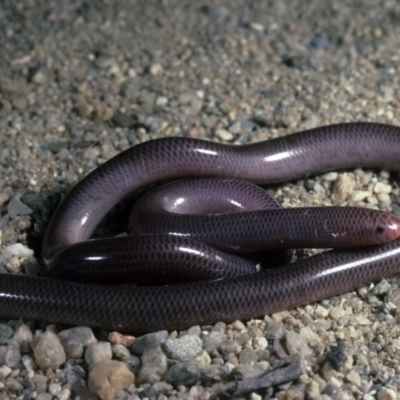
81 81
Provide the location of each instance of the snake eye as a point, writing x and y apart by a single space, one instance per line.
380 230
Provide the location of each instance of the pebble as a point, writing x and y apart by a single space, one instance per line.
274 330
296 392
23 334
156 69
13 86
12 356
381 289
354 377
118 338
98 352
321 312
44 396
149 341
248 356
41 382
224 135
382 188
133 363
5 333
212 341
41 77
3 199
17 250
337 312
74 340
330 176
386 394
295 344
120 352
260 343
65 394
17 207
160 388
29 362
343 188
14 384
361 320
108 377
5 371
184 348
55 389
48 351
154 366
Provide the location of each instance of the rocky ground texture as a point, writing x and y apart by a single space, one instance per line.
81 81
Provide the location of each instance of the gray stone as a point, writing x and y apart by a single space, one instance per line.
12 356
212 341
74 340
97 352
154 366
295 344
40 383
160 388
120 352
148 342
29 362
184 348
133 363
230 347
14 384
381 289
17 207
274 330
5 333
44 396
23 334
247 356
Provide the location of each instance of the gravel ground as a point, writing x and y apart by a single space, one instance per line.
81 81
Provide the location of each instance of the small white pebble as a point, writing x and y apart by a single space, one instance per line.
156 69
384 198
17 250
238 326
54 389
372 200
359 195
330 176
337 313
224 135
334 383
361 320
29 362
13 264
386 394
255 26
65 394
321 312
255 396
354 377
382 188
161 101
5 371
318 188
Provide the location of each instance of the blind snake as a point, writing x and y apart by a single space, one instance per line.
178 306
